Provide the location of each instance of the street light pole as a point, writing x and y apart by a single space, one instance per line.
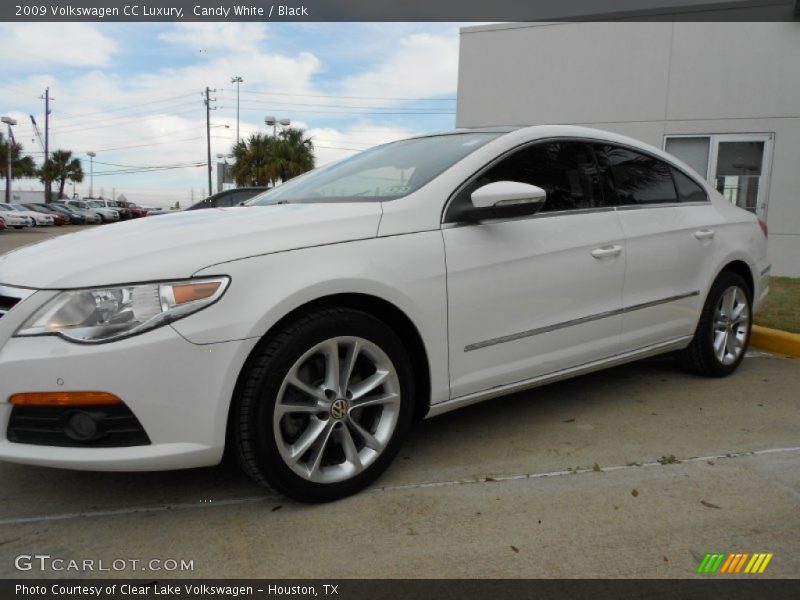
237 80
9 121
91 173
275 122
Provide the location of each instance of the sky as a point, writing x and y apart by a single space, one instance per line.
132 93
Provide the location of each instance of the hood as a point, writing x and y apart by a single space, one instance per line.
177 245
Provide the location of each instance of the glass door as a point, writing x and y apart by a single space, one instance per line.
737 165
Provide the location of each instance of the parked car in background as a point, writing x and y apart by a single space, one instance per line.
72 217
306 333
136 211
152 211
124 213
46 209
89 216
39 219
14 218
108 215
228 198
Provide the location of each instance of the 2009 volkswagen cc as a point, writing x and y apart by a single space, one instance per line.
306 332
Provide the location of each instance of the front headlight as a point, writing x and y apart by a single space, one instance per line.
112 313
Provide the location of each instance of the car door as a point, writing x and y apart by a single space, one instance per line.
669 225
534 295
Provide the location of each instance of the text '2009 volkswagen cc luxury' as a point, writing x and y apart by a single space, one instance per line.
307 331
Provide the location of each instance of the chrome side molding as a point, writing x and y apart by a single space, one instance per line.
572 322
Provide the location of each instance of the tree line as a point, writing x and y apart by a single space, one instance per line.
60 168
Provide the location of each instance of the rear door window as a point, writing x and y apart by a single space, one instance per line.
688 189
636 178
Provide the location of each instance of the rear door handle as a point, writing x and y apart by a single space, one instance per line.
704 234
606 251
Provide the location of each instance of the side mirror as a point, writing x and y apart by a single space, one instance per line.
505 199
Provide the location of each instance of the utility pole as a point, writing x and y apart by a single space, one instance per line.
91 173
9 121
237 80
47 188
208 101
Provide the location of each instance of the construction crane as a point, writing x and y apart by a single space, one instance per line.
36 130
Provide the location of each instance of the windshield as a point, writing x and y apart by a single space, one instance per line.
382 173
20 208
5 207
97 204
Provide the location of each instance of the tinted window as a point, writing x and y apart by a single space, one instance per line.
636 178
688 189
565 170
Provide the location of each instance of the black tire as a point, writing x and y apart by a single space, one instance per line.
251 425
699 357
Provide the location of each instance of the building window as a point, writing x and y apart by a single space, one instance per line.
737 165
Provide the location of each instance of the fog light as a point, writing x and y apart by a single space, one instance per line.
81 427
64 399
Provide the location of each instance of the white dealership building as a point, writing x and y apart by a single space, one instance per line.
722 96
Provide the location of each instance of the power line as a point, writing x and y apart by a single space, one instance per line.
348 97
127 118
123 108
409 108
349 112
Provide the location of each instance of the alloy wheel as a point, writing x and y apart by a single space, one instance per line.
731 325
337 409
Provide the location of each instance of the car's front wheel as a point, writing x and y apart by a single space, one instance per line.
323 405
723 332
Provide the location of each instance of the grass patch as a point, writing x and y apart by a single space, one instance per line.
781 309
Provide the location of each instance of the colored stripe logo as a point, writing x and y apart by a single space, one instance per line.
734 563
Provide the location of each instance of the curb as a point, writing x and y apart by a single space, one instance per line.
775 340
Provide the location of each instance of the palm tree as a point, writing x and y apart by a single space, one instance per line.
62 167
21 166
295 154
263 160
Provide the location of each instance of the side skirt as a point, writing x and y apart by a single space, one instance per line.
526 384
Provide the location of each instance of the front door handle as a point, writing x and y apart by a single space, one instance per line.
607 251
704 234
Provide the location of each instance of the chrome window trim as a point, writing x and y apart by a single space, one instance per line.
662 205
704 185
548 328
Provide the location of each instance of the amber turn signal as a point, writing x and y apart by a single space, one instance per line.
64 399
190 292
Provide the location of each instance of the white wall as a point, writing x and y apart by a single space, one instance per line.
647 80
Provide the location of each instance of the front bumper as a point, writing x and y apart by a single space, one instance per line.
179 391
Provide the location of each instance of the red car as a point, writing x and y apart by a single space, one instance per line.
136 211
2 224
58 218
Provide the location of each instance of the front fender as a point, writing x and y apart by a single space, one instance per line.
407 271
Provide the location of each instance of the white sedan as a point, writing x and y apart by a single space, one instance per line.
39 219
13 218
307 332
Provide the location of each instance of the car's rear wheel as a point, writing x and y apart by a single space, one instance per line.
723 332
323 405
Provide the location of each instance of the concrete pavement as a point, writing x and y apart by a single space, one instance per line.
484 492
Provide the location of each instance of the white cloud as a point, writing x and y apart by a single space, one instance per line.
214 37
55 44
424 65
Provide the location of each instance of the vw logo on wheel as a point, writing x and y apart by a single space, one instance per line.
339 408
